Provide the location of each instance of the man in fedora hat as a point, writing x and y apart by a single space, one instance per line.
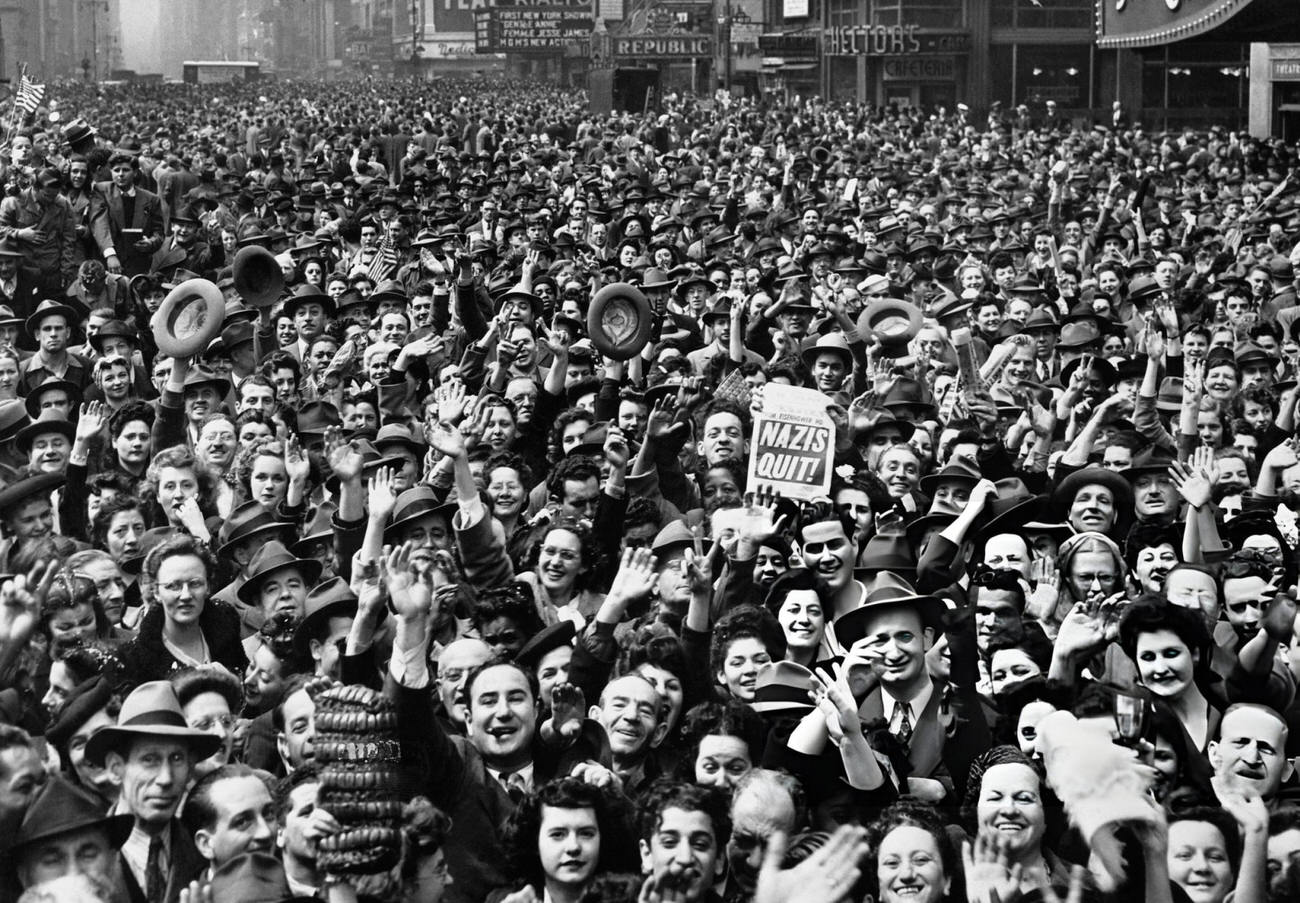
277 581
184 248
65 832
51 326
151 752
20 283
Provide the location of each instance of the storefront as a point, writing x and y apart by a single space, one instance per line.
904 65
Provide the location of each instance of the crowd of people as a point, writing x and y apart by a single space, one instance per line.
1038 641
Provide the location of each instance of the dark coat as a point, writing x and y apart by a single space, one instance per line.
146 657
107 220
185 866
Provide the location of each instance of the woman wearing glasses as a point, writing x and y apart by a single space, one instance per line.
182 627
210 697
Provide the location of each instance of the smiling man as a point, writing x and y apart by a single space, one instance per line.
230 812
683 831
1249 756
830 551
631 712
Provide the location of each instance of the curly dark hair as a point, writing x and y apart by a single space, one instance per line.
720 719
587 544
745 622
103 521
668 794
513 462
72 591
910 814
1148 616
524 826
513 600
579 468
1220 819
997 755
555 442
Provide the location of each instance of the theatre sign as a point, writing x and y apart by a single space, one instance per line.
663 47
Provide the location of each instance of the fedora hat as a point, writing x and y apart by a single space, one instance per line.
831 343
891 321
948 304
248 520
1012 506
7 315
909 395
674 535
236 332
958 470
274 557
890 592
1150 460
887 418
1100 367
321 526
13 417
1078 335
77 131
783 687
257 275
114 329
32 402
414 504
50 421
398 435
331 599
49 308
201 375
189 318
309 293
9 247
61 807
619 320
254 878
1063 494
886 552
317 417
152 710
546 640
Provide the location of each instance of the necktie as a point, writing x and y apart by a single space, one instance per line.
904 732
513 781
154 879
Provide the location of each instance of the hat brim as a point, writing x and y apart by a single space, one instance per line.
447 511
108 739
849 630
619 321
308 567
190 317
1063 494
902 321
339 608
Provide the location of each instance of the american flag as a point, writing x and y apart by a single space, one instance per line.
384 263
30 95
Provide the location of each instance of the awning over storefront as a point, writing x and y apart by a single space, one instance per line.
1148 23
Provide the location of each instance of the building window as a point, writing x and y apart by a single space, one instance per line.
1198 84
1060 73
1050 14
921 13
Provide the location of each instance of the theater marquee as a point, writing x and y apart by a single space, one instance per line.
1144 23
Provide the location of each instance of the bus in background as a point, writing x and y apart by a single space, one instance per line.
206 72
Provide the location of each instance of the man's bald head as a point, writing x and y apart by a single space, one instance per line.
457 660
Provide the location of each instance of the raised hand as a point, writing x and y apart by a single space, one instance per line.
759 521
1278 619
636 576
91 421
1191 484
659 424
827 875
446 439
344 459
297 465
197 892
191 518
835 700
568 708
381 498
990 874
616 449
408 595
1283 456
1046 577
20 604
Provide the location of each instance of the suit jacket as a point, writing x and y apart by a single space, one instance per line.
107 220
186 865
55 256
27 294
925 751
450 771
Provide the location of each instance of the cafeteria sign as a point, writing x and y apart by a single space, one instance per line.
794 443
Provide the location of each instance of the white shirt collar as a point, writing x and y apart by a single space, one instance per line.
917 703
526 772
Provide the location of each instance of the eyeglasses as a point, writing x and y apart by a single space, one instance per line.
175 586
227 722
